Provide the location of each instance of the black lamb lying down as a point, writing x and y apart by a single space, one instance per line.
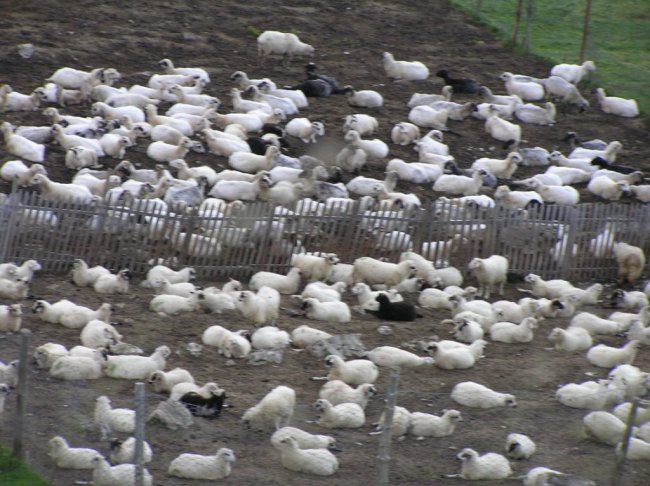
205 407
395 311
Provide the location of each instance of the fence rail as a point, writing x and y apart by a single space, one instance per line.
551 241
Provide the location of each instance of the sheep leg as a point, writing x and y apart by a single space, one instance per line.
452 476
319 378
501 288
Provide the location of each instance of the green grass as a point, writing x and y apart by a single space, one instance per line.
13 472
619 39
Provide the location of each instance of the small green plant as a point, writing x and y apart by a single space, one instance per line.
253 30
14 472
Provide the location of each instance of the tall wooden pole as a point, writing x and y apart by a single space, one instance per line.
585 31
515 28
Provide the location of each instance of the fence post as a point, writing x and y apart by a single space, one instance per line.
139 433
21 398
617 479
479 4
585 31
515 28
529 22
383 458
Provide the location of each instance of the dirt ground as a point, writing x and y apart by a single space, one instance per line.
349 39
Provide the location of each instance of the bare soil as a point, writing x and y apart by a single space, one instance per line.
349 39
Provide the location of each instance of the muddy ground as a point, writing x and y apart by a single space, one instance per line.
349 39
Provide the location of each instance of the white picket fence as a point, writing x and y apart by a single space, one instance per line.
262 236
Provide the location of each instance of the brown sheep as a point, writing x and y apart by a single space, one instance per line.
631 262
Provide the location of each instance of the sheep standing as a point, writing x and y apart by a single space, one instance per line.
282 43
631 261
276 407
490 272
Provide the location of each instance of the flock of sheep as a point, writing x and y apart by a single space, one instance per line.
252 140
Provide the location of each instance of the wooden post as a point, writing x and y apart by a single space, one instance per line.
139 434
383 458
21 398
479 4
529 22
515 28
617 479
585 31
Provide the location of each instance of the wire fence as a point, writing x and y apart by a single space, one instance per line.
552 241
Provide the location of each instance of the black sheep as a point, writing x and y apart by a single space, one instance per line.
460 85
204 407
395 311
606 164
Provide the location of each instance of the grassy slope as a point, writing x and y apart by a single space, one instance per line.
619 41
15 473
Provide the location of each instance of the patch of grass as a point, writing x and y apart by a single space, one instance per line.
253 31
619 39
13 472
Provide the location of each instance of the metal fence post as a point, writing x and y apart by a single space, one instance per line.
21 398
139 434
617 479
383 458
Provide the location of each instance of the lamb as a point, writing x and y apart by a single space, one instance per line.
161 271
123 474
253 163
337 392
285 44
10 317
416 172
16 170
344 415
164 381
573 73
519 446
13 290
489 272
195 466
500 168
607 189
59 192
314 267
404 133
502 130
164 152
270 337
326 311
459 184
155 119
170 305
46 354
188 173
467 330
617 106
11 100
457 356
113 419
527 91
304 336
259 307
66 457
136 367
566 195
123 451
365 98
372 271
608 357
517 199
353 372
507 332
560 88
276 407
113 284
487 466
548 288
374 148
400 426
595 325
396 358
427 425
631 261
407 70
320 462
604 427
571 339
472 394
9 373
362 123
425 99
425 116
285 284
182 289
368 186
78 367
537 115
305 440
590 395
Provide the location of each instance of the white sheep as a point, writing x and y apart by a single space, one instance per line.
500 168
631 261
270 337
608 357
374 148
78 367
400 426
123 451
507 332
617 106
113 284
559 88
314 267
61 192
459 184
320 462
404 133
566 195
590 395
304 336
415 172
373 271
10 317
487 466
66 457
603 427
252 163
424 99
343 416
260 307
519 446
169 304
169 68
113 419
275 407
408 70
164 381
527 91
502 130
573 73
365 98
472 394
456 356
326 311
353 372
362 123
529 113
337 391
285 284
490 272
637 450
396 358
595 324
122 474
571 339
99 334
305 440
427 117
282 43
206 391
607 189
516 199
46 354
161 271
195 466
427 425
467 330
131 367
